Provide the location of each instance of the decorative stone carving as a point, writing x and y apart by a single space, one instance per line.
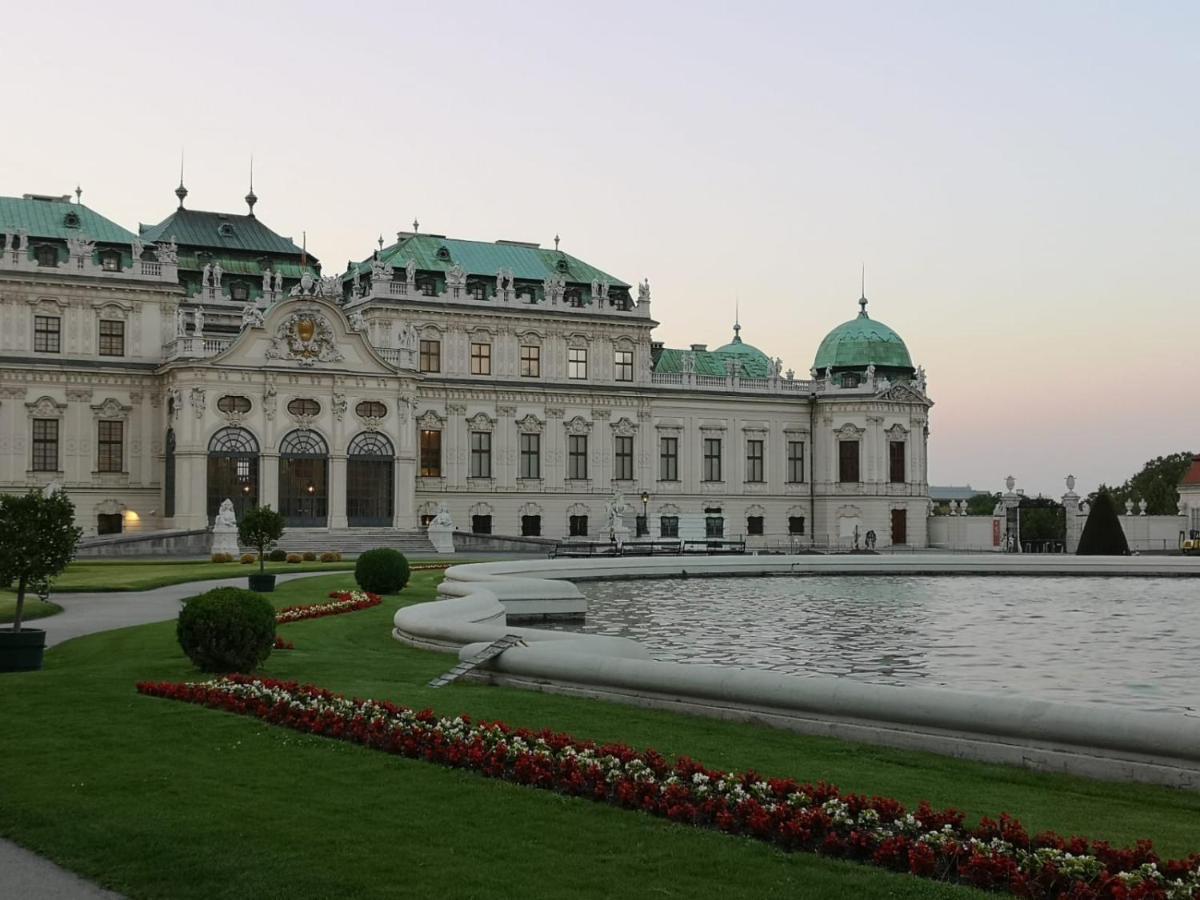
530 424
623 427
577 425
481 421
430 420
899 392
307 337
381 272
644 291
167 252
199 401
339 406
252 316
46 408
111 408
270 400
198 322
174 402
225 539
456 276
357 322
80 247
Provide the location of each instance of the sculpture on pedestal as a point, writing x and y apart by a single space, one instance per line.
441 530
225 530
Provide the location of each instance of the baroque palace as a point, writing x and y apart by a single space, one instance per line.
155 374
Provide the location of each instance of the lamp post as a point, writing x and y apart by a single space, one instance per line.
645 517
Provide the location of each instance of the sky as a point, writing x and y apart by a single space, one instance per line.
1021 180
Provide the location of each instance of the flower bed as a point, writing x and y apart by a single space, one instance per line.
339 602
996 855
281 644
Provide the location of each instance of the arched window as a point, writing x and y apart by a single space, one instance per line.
370 480
304 479
232 471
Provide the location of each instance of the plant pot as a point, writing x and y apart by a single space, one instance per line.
21 651
263 584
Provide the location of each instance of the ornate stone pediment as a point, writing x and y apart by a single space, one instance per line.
530 423
897 432
430 420
481 421
307 337
849 432
623 427
578 425
111 408
46 408
901 392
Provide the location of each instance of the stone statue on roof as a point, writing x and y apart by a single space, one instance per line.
266 287
167 252
278 282
198 322
644 291
217 272
251 316
136 247
689 363
380 271
410 272
180 322
456 276
206 275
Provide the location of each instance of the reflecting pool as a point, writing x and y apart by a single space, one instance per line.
1129 641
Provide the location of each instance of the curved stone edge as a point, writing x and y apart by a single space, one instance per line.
1101 742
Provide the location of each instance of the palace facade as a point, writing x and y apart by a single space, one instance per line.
155 374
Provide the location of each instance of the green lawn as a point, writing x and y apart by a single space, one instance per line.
162 799
34 608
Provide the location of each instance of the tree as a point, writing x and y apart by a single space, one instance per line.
261 528
1102 533
1157 484
982 504
38 538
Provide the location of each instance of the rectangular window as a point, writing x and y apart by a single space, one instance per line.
668 459
668 526
481 454
431 454
431 356
477 290
847 461
795 524
531 526
531 361
640 527
576 362
577 526
754 461
109 444
481 359
45 445
112 338
712 459
531 456
47 334
714 526
481 524
108 523
623 461
795 462
623 363
896 462
754 525
577 462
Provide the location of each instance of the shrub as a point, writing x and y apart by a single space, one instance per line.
381 571
277 556
221 558
260 528
227 630
294 557
330 557
309 556
1102 533
248 558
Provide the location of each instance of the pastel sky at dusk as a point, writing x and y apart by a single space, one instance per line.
1022 180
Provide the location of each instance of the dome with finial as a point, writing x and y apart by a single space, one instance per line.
863 342
740 350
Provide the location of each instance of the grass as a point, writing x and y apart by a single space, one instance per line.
161 799
34 608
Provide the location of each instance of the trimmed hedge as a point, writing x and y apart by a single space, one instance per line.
381 571
227 630
1102 533
277 555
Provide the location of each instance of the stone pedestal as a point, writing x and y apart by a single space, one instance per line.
225 540
442 537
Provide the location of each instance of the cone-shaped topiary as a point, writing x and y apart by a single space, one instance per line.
1102 533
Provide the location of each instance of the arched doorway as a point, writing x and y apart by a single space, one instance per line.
169 475
304 479
232 471
370 476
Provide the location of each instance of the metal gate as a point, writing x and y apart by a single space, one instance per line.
304 479
370 480
232 471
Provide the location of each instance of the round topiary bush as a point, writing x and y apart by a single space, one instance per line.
227 630
381 571
277 555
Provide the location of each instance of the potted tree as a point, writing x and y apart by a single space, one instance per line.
38 538
261 528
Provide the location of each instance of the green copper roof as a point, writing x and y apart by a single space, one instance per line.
220 231
45 217
862 342
741 350
712 362
527 261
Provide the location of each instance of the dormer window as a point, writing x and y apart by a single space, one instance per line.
562 265
443 254
47 255
71 220
427 286
850 379
477 290
239 291
110 260
225 229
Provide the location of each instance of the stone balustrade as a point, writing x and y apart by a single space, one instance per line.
459 295
140 270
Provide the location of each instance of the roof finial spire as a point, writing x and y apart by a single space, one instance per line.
181 192
381 240
251 199
78 194
556 242
416 225
737 321
862 297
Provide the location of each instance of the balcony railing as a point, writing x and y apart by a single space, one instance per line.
505 299
19 260
191 347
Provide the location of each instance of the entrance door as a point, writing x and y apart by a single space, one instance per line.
899 526
370 474
303 480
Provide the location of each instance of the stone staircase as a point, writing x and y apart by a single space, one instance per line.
353 540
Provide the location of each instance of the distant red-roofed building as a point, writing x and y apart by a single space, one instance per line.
1189 495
